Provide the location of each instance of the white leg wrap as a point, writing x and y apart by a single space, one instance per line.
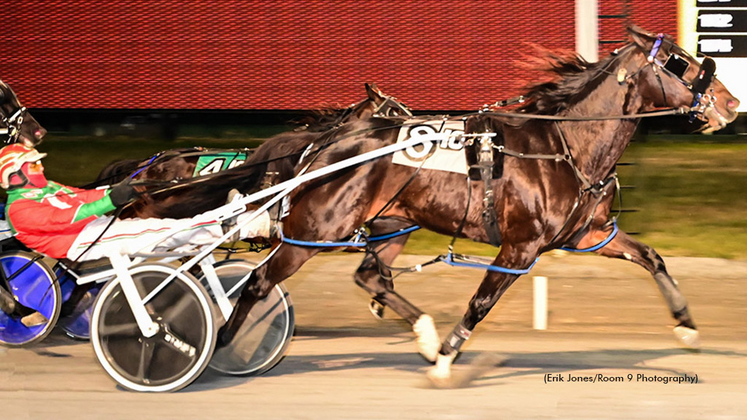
428 341
688 336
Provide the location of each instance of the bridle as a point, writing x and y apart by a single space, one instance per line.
391 107
676 65
13 122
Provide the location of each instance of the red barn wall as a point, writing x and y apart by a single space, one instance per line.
285 54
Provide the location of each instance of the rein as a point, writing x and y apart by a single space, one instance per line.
165 155
178 183
667 112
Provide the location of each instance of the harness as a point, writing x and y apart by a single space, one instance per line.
485 167
391 107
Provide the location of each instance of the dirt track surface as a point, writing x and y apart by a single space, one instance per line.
606 317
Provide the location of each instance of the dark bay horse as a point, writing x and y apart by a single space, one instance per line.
541 204
16 123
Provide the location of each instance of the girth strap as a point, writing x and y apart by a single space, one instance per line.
485 165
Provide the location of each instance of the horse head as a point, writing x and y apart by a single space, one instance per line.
16 122
676 79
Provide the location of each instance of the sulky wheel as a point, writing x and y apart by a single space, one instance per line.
264 337
181 349
35 289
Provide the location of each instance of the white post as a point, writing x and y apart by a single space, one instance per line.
540 303
587 30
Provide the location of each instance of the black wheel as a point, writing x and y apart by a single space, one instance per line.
34 285
263 339
181 349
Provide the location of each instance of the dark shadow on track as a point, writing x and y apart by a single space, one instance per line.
539 363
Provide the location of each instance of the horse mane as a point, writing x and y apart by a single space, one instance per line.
570 76
322 119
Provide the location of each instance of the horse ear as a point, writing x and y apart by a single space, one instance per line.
640 37
373 92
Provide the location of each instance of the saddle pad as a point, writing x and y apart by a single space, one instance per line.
216 162
444 155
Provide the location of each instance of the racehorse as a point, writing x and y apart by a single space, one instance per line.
558 157
569 97
15 121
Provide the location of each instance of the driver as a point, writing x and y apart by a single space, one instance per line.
66 222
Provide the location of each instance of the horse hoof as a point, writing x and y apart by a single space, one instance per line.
448 378
428 341
688 336
376 308
438 381
440 374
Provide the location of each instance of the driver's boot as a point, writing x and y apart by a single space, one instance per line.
34 319
8 305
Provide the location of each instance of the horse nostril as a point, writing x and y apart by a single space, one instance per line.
39 133
731 103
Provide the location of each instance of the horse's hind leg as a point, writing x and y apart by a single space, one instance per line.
493 286
624 247
374 277
286 261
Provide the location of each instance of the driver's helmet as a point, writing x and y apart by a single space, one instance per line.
12 158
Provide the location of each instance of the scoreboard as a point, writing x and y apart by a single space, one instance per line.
718 28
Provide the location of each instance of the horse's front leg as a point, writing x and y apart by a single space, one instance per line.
624 247
493 286
374 276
